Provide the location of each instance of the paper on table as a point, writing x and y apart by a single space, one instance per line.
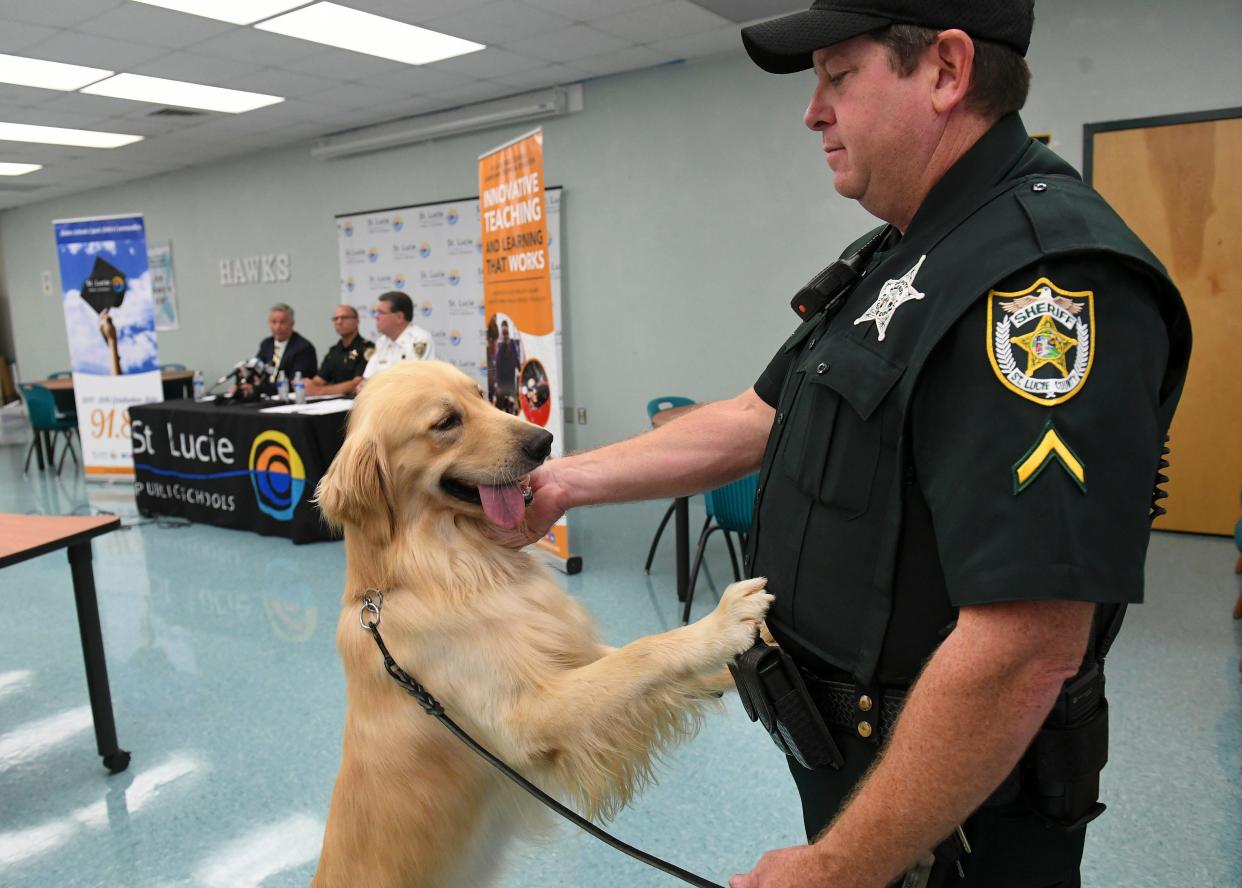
319 408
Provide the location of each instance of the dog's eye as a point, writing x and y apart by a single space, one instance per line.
452 421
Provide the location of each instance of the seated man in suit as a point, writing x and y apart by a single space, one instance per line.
285 350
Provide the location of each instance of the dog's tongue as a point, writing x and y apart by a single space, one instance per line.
504 506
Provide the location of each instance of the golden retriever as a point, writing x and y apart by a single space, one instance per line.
516 662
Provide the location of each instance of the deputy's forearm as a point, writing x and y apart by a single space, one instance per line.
705 448
964 727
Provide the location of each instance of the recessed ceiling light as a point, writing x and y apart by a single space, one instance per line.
56 135
239 12
141 88
47 75
340 26
18 169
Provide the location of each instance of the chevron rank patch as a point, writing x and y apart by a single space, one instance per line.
1041 341
1050 446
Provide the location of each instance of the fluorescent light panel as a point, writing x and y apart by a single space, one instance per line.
56 135
47 75
17 169
159 91
340 26
238 12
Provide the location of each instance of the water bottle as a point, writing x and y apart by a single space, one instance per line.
200 385
299 388
282 386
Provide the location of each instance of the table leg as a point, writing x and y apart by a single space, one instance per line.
681 524
115 758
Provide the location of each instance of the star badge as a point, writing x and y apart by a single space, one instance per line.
1045 345
894 293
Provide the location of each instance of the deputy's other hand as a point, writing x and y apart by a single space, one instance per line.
542 513
797 867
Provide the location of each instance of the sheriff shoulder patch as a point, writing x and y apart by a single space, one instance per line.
1041 341
1048 447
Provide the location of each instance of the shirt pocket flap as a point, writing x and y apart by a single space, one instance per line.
860 376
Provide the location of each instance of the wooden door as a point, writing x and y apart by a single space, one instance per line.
1179 186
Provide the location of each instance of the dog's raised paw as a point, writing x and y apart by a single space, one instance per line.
741 608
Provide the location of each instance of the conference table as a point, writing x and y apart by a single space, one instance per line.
237 465
681 508
177 384
27 536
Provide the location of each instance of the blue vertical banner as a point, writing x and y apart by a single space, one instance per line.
110 321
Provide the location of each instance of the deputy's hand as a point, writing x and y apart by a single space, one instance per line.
541 514
797 867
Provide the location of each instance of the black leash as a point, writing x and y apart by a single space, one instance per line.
433 707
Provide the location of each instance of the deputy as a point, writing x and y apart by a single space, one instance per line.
343 365
399 339
957 450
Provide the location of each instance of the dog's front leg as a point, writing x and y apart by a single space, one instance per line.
594 729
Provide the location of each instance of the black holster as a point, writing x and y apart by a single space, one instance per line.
774 694
1061 770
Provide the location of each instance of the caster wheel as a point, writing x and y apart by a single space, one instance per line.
116 762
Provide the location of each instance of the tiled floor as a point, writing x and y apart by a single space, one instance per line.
228 692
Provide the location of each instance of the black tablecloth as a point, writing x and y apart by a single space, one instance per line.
234 466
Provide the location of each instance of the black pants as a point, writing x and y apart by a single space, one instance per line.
1012 847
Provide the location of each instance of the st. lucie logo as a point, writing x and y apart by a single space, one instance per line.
349 283
425 309
348 228
118 284
397 223
398 281
455 337
454 277
451 216
372 254
424 249
276 474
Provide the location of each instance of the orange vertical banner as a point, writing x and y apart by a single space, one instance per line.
523 352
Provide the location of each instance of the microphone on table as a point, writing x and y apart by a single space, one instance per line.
236 372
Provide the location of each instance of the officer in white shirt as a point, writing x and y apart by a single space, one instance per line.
399 340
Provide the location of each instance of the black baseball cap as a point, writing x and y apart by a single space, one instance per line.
784 45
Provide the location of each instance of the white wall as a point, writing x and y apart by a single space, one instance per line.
695 205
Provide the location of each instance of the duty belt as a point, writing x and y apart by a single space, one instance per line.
850 708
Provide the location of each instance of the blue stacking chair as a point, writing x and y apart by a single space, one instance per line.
172 366
45 418
654 406
60 374
731 508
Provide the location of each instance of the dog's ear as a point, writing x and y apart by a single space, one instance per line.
357 488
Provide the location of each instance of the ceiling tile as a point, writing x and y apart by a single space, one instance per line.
487 63
589 10
195 68
553 75
15 36
76 48
421 79
625 60
704 43
27 96
571 43
250 45
410 107
475 92
355 95
498 22
750 10
674 18
342 64
154 26
55 13
47 116
279 82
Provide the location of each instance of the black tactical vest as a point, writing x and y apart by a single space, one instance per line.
828 512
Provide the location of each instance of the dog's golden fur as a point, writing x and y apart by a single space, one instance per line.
514 660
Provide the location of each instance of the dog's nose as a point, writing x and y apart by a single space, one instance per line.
538 444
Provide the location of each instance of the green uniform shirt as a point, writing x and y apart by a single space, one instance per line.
342 364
